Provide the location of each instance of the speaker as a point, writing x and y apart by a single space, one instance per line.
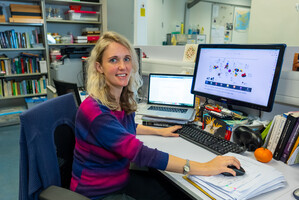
247 138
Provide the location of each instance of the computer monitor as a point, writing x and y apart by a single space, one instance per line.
245 75
139 59
63 87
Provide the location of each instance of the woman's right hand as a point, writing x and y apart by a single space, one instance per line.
215 166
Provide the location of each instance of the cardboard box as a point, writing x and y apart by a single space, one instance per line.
2 18
26 20
23 8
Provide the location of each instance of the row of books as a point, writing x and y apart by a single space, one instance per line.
24 87
12 39
25 63
282 138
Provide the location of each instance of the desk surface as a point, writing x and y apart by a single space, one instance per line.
184 149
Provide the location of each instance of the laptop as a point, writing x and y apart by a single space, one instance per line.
169 96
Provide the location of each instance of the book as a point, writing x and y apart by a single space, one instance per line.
159 122
43 66
291 142
293 149
291 119
294 158
259 178
80 41
278 124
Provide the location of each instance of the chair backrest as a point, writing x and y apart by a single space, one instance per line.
66 87
47 142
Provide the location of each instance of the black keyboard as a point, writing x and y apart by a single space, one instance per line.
168 109
208 141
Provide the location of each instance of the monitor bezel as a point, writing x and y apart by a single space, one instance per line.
228 101
161 74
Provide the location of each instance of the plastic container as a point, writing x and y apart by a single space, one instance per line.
66 39
78 15
75 7
32 101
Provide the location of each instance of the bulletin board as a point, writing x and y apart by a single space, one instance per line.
229 21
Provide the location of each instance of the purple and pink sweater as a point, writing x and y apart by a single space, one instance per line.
105 144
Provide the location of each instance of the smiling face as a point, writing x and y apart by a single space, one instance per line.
116 66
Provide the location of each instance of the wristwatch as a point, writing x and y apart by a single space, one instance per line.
186 168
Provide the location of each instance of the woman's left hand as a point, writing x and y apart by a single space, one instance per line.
169 131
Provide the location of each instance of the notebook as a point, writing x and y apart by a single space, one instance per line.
169 96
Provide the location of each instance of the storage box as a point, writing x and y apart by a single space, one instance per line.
32 101
79 15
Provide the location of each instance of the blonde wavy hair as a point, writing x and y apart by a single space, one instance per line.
96 83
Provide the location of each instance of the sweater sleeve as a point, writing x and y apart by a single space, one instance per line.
151 158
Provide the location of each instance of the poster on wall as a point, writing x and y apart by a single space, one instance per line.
242 16
222 23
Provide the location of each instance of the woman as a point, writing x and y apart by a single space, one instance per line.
106 131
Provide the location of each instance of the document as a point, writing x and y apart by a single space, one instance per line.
259 178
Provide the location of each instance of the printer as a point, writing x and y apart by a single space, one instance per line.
70 67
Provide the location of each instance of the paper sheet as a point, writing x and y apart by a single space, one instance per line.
259 178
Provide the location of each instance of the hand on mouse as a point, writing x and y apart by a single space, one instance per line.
216 166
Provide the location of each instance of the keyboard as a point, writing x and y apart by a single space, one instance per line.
208 141
168 109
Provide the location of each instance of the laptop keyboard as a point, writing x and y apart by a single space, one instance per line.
168 109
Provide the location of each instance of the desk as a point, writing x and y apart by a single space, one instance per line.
184 149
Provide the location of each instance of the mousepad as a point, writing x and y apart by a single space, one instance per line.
214 126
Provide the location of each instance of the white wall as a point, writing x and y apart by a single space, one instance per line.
200 14
166 12
120 17
275 21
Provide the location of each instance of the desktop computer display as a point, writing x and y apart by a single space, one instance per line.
245 75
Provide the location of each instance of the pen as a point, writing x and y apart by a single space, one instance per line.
198 187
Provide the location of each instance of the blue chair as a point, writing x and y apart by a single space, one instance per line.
46 150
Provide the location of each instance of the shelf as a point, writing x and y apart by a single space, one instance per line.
22 75
22 49
27 1
22 96
72 44
20 24
83 3
71 21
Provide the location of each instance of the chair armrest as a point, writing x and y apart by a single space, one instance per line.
58 193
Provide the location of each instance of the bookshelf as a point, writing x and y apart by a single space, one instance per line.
63 25
22 47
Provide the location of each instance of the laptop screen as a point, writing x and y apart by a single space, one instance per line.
170 89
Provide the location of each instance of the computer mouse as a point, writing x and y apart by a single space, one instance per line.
239 172
248 138
296 193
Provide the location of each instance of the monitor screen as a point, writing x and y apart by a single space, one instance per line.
170 89
245 75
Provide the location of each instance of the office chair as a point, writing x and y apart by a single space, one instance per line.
47 143
65 87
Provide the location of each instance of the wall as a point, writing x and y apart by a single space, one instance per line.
200 15
120 21
163 16
274 21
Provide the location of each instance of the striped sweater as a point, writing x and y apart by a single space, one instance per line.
105 144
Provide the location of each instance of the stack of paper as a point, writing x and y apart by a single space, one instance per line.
259 178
